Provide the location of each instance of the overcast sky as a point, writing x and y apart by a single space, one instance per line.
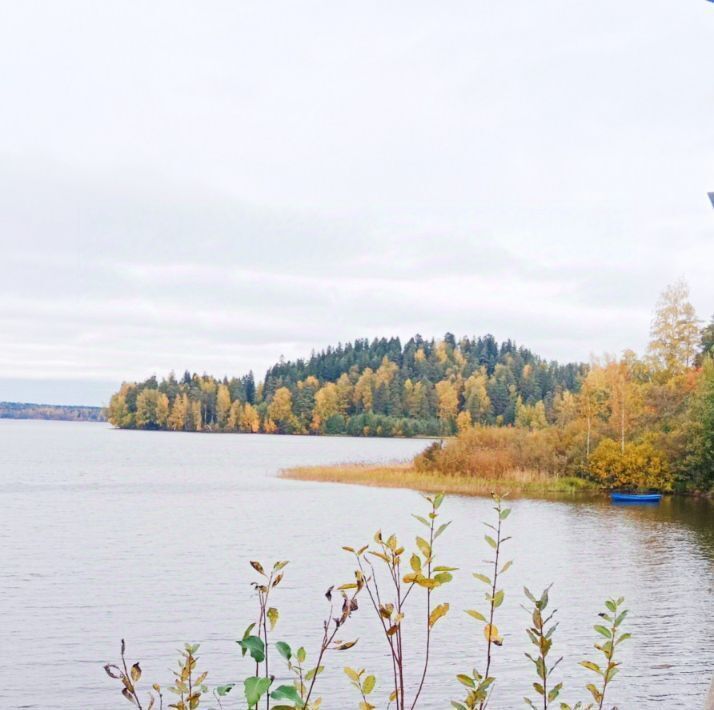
210 185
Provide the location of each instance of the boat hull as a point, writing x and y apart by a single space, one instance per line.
636 497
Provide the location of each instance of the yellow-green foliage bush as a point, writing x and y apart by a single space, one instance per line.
640 465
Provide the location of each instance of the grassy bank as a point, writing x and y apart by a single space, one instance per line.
406 476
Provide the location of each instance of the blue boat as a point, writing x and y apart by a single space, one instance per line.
635 497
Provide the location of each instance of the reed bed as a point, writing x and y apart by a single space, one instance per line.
514 481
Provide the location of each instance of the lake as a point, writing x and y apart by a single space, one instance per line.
147 536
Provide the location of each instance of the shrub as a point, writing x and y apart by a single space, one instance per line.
497 452
640 465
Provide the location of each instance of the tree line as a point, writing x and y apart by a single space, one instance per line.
62 412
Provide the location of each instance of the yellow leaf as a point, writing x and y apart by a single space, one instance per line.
351 673
415 562
437 613
424 546
344 646
476 614
491 633
368 685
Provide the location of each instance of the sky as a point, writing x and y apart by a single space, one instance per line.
212 185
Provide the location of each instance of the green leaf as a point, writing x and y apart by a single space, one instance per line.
223 690
287 692
490 541
441 529
591 666
603 631
255 688
555 692
255 646
498 598
284 650
505 513
466 680
313 672
482 578
301 655
506 567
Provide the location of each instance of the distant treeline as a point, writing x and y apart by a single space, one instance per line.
364 388
25 410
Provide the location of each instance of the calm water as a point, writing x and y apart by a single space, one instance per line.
108 534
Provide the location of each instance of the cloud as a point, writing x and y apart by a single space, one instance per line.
216 189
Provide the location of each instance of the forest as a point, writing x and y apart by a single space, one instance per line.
628 420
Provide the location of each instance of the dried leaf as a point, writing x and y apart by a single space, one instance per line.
135 672
257 567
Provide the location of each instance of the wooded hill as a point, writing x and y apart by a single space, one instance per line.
378 388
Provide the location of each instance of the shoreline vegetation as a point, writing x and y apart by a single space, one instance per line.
629 422
405 475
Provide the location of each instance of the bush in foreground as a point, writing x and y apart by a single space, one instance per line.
385 576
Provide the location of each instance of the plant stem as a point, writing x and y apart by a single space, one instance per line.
493 594
377 603
428 614
128 676
609 655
